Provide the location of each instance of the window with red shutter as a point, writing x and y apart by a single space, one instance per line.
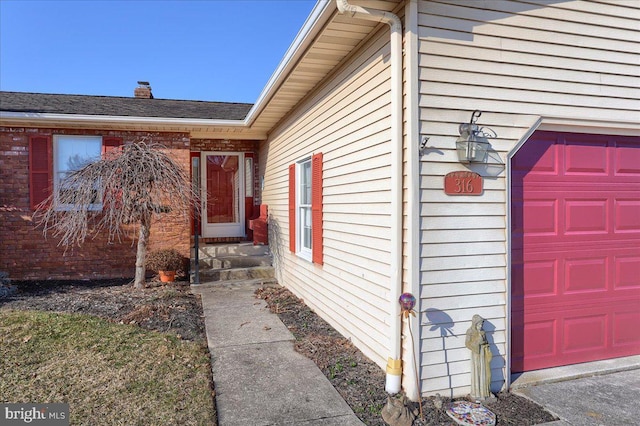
305 208
41 162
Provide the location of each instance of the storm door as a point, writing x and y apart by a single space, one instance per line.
223 195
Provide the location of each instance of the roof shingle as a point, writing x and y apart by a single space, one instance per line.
46 103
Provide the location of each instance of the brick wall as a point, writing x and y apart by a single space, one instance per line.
24 252
224 145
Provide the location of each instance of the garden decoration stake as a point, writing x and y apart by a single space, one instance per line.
407 303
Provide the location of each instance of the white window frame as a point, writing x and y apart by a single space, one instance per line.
303 210
57 141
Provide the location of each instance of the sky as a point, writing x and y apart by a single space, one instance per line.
210 50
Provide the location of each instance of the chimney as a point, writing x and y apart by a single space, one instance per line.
143 90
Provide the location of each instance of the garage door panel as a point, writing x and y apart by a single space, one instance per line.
585 275
574 337
626 330
575 250
566 279
627 215
627 273
537 339
542 339
541 217
540 278
586 216
586 159
584 333
533 279
627 157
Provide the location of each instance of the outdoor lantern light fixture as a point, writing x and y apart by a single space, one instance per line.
472 145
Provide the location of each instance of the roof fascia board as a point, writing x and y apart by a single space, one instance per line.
320 15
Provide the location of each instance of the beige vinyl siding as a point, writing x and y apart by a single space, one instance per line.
518 62
347 119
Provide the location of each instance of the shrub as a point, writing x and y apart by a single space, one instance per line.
165 260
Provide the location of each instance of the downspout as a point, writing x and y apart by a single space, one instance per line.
394 363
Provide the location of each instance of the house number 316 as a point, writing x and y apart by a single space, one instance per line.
463 183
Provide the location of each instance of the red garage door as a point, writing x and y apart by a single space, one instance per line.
575 249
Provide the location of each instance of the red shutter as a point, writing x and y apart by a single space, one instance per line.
110 144
40 169
292 208
195 216
316 208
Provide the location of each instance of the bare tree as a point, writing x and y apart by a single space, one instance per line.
130 185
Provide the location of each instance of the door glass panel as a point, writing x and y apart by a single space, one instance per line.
248 177
223 189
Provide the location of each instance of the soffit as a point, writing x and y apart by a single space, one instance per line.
341 36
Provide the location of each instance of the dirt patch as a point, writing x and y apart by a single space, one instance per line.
361 382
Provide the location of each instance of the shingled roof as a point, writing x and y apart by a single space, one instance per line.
45 103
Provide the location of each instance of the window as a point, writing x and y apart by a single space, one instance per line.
50 162
303 201
71 153
305 208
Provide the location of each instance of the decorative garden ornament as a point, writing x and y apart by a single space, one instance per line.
476 342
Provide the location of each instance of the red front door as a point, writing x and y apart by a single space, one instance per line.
575 249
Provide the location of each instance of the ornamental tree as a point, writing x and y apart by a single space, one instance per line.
131 185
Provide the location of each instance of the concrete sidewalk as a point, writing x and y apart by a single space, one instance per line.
259 378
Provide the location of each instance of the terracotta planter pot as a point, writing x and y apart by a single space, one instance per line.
167 276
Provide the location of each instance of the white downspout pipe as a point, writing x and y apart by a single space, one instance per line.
394 364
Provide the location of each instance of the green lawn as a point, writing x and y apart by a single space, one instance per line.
109 374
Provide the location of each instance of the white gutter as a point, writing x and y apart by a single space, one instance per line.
8 115
394 363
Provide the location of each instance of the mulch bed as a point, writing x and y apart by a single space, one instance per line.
361 382
158 307
174 309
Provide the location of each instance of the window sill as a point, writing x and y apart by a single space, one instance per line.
305 255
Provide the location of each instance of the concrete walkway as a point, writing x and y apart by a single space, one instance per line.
591 394
259 378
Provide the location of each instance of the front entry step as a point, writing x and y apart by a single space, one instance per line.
234 263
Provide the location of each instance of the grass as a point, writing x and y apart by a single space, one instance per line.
109 374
